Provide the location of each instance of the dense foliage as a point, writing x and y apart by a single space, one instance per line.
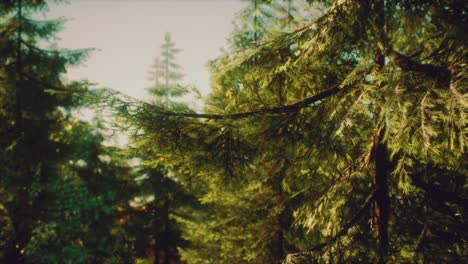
59 186
335 133
328 142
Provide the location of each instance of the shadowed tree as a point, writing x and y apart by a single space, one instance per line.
51 205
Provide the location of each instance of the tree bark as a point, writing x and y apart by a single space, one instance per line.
13 250
381 201
165 234
18 73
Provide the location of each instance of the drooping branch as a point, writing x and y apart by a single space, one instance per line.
291 108
284 109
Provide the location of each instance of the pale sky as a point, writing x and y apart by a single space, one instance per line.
127 35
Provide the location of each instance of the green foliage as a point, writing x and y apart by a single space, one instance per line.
302 127
59 200
334 139
260 20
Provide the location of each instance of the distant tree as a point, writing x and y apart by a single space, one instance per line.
159 201
291 14
251 25
158 229
165 73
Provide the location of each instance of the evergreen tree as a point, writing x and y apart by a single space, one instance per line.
251 25
165 73
51 210
268 238
79 222
363 109
30 118
156 223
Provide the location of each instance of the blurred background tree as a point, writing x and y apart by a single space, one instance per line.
165 73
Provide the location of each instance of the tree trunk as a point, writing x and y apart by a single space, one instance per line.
156 252
161 235
284 218
12 250
165 234
18 75
381 204
19 217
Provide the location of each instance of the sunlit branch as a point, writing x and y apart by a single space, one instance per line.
352 222
349 172
294 107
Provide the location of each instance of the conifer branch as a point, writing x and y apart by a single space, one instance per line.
344 230
405 63
277 110
442 73
349 172
291 108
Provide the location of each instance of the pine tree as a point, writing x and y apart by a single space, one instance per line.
165 73
158 201
265 240
80 221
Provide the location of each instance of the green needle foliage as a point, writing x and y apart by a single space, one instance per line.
335 133
340 141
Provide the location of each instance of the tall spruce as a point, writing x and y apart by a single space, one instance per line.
165 73
161 232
